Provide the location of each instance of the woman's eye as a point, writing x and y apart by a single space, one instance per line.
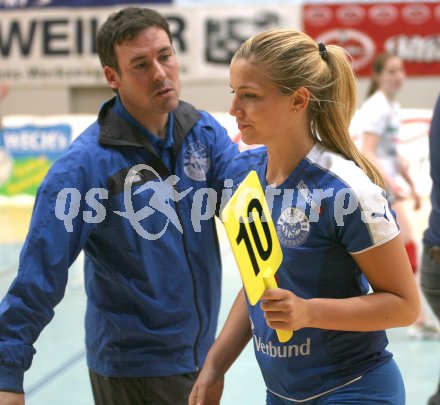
245 95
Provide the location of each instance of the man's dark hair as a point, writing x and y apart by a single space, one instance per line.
125 25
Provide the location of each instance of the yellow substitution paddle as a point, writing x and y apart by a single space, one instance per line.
254 241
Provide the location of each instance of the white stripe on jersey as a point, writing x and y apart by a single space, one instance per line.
318 395
376 213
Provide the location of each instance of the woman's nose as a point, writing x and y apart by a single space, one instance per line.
235 109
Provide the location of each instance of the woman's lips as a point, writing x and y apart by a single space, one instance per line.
242 126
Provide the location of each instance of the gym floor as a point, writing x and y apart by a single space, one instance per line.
59 372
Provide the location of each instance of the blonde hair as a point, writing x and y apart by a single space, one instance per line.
291 59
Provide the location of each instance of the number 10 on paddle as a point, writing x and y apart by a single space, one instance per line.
254 241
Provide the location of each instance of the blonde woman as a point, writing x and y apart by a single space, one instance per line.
336 229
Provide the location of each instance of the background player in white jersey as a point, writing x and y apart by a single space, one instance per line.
297 98
380 120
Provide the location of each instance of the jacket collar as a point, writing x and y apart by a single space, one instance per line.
114 131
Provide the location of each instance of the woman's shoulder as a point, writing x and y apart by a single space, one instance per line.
248 160
340 173
377 101
251 156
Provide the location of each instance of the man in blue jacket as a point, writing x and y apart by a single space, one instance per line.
134 191
430 270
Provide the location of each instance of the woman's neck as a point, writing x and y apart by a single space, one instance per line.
389 96
284 157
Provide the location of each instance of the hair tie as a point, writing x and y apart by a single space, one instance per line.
322 51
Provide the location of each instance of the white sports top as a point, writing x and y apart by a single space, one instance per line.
380 116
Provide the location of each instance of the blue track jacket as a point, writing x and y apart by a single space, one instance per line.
152 263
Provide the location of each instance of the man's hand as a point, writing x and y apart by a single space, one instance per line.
207 389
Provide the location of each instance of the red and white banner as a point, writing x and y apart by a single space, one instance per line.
412 30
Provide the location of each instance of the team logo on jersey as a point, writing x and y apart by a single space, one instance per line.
196 161
293 227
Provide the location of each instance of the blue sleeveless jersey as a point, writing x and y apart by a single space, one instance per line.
326 211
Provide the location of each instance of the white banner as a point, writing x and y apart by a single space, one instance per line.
58 45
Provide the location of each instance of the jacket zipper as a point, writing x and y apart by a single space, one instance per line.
199 330
196 305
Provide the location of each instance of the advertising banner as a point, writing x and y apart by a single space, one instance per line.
26 153
28 147
411 30
56 46
17 4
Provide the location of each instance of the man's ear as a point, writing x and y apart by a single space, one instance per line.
299 100
112 77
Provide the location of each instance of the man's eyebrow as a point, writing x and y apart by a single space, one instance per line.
166 48
136 58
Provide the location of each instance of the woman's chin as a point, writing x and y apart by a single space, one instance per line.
248 139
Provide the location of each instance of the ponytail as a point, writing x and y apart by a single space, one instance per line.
332 123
